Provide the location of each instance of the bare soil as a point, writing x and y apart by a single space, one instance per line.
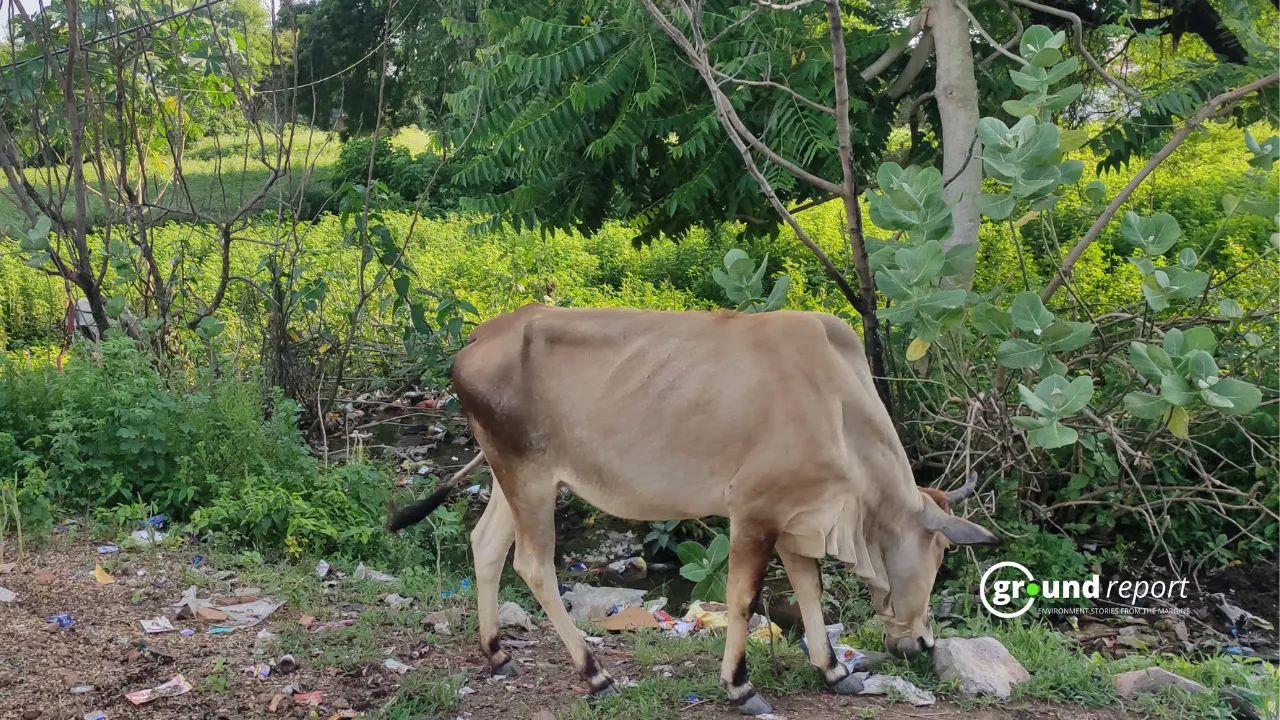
41 664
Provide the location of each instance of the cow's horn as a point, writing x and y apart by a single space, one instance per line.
963 492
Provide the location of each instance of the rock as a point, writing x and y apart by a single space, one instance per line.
982 665
339 704
543 715
7 596
397 601
32 714
44 577
6 568
512 615
306 621
1139 682
892 684
210 615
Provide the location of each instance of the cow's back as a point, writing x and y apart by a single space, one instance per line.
656 415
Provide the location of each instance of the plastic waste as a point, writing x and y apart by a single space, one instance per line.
177 686
148 537
322 569
102 576
366 573
512 615
886 684
7 595
62 619
588 603
156 625
108 549
395 666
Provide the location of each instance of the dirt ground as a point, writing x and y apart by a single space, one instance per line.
47 671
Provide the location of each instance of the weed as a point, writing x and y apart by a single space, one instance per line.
425 695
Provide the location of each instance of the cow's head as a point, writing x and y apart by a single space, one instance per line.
911 561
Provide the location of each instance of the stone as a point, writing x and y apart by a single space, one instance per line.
1139 682
44 577
982 665
512 615
543 715
32 714
210 615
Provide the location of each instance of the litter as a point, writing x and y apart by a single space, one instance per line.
177 686
620 567
311 698
240 615
187 632
365 573
395 666
322 570
156 521
713 616
631 618
108 549
211 615
220 630
512 615
1238 616
82 689
884 684
197 559
7 596
148 537
262 641
683 629
590 603
155 625
465 691
102 576
577 568
771 632
95 715
335 624
62 619
286 664
261 671
452 591
833 637
397 601
656 605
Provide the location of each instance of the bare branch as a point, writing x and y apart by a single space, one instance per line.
1013 41
769 83
1077 41
782 6
987 36
896 49
919 56
1209 110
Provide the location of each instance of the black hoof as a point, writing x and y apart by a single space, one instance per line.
608 690
850 685
753 704
508 668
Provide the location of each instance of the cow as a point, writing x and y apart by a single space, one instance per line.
771 420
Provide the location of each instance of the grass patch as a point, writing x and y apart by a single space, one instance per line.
425 695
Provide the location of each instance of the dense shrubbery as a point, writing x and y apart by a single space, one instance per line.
110 429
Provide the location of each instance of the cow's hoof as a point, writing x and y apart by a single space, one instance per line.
508 668
851 684
608 690
753 704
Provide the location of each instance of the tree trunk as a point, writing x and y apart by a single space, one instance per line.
956 92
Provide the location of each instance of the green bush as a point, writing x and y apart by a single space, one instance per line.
404 174
110 429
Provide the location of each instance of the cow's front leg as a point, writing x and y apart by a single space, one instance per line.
806 581
750 545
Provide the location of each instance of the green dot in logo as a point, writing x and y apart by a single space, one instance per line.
1033 589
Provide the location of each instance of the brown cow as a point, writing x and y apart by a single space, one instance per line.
769 419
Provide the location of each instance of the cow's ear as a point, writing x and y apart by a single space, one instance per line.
958 530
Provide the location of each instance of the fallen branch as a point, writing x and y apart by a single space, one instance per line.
1209 110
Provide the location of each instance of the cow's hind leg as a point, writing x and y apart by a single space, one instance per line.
490 542
750 546
806 581
534 512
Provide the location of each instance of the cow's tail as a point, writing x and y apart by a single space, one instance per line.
417 512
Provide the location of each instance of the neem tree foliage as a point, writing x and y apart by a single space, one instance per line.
577 112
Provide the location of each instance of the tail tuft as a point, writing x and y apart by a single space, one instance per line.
419 511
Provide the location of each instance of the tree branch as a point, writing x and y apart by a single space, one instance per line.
769 83
919 56
1209 110
1077 42
1001 49
896 49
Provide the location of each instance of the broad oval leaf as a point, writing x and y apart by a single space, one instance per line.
1065 335
996 207
990 320
1054 435
1145 406
1179 422
1030 314
1176 391
1243 396
1019 354
1229 308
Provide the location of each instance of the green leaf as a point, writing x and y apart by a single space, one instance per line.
1229 308
1047 57
1054 435
778 296
1029 313
38 259
1038 401
1145 406
1178 422
1229 204
1199 337
939 301
1034 39
959 258
1253 339
1077 395
1052 366
1056 74
1096 192
1175 343
921 264
1143 363
1027 422
718 551
691 553
1154 235
1019 354
1243 396
992 132
996 207
1045 203
1071 170
894 284
1187 258
1175 390
1214 400
1201 366
1019 108
990 320
694 573
1065 335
